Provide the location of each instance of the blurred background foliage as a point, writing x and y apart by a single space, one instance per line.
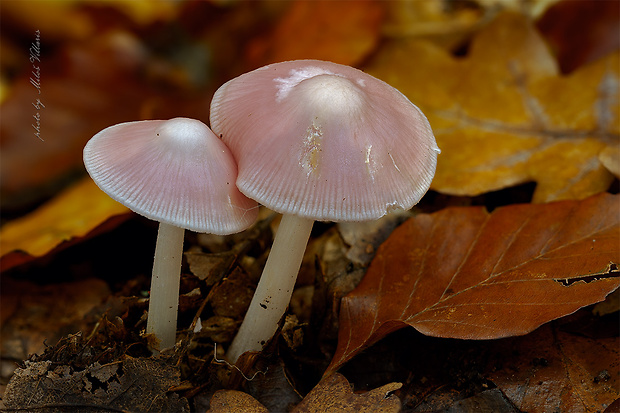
106 62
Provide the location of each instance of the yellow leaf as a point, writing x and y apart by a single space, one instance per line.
504 116
143 12
449 23
58 19
73 213
610 157
432 20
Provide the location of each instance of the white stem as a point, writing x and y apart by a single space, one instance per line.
165 282
275 287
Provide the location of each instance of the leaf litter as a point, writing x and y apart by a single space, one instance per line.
465 273
503 115
337 261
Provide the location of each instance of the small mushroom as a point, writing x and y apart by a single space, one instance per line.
176 172
316 140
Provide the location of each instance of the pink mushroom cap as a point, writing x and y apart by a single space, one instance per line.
173 171
324 141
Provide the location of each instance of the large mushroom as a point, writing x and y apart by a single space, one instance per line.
176 172
316 140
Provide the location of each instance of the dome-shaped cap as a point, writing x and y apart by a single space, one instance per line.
173 171
325 141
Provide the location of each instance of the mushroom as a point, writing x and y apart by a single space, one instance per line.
316 140
176 172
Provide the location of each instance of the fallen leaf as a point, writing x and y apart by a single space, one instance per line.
488 401
614 407
609 306
274 388
231 297
504 116
363 238
334 394
135 384
465 273
610 157
34 314
596 37
233 401
210 267
336 276
219 329
317 30
72 214
446 24
450 24
559 372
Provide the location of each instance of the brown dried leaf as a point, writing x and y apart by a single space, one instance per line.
597 35
131 385
273 387
210 267
219 329
334 394
233 401
560 372
465 273
363 238
504 116
232 296
32 314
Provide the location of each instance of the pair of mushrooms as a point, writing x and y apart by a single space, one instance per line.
312 140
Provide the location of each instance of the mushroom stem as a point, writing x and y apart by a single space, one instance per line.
275 287
164 302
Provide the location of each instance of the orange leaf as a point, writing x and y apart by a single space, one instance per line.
504 116
74 213
339 31
465 273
